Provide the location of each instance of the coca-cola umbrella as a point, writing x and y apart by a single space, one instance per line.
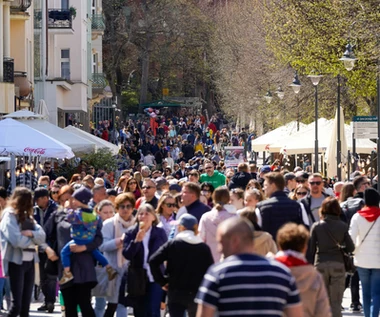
19 139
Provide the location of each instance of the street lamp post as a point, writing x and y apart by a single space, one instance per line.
315 81
296 86
349 60
281 94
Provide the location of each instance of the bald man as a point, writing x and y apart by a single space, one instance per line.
251 284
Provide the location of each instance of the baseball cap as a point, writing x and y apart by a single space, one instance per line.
265 169
289 176
188 221
83 195
160 181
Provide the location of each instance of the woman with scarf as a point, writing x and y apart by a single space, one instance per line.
113 236
292 240
365 232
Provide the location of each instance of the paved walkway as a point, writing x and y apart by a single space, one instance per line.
57 311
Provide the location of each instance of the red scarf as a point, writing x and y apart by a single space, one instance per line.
290 261
370 213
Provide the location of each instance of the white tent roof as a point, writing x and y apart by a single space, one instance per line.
75 142
19 139
100 143
264 142
302 142
23 114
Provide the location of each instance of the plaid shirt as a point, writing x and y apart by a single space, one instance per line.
27 180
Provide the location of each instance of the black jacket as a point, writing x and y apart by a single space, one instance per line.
240 180
186 265
351 206
134 251
278 210
57 230
52 206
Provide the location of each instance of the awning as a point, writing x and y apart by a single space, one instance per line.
100 143
160 104
77 143
19 139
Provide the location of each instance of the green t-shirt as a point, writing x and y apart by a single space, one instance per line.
218 179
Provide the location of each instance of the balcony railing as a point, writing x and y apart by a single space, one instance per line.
98 81
97 22
20 5
57 19
8 75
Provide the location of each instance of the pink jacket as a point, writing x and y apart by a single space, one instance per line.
207 229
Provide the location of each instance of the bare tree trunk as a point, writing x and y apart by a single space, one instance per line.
145 72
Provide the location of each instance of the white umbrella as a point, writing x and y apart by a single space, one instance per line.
331 151
19 139
23 114
100 143
42 109
266 141
75 142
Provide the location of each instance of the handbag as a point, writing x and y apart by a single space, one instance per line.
348 258
104 288
137 280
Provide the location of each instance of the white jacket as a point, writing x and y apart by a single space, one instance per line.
367 255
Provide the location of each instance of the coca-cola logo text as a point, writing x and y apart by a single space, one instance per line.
38 151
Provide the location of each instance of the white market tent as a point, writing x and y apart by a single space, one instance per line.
100 143
19 139
303 142
264 142
22 114
75 142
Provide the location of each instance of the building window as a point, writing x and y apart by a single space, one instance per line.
94 63
65 64
65 4
93 7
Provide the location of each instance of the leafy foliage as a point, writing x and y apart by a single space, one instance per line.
102 159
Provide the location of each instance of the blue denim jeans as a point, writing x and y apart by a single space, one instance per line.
100 306
148 305
2 285
370 279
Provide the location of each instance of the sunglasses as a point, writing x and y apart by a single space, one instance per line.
171 205
125 207
301 193
315 183
193 174
54 192
132 183
147 187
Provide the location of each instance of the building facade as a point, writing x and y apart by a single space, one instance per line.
69 46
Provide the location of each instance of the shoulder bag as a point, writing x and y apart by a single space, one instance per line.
348 258
137 280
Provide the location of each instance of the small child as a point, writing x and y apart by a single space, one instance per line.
83 229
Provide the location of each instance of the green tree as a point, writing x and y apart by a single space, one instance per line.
311 36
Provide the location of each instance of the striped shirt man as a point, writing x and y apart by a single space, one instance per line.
247 285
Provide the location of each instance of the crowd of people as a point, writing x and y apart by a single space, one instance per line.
180 232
